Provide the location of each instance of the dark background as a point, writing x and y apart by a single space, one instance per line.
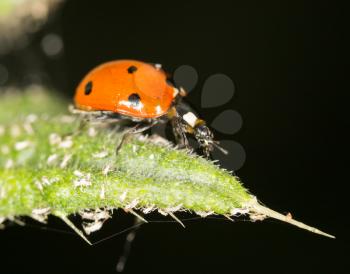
286 60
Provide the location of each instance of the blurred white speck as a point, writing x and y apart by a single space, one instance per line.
106 169
123 196
2 130
2 195
22 145
15 131
83 181
54 139
92 227
148 209
101 154
52 158
39 185
132 204
92 132
4 75
78 173
102 193
31 118
65 160
5 149
66 143
39 211
9 164
52 44
45 181
28 128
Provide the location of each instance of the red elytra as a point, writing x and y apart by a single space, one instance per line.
127 87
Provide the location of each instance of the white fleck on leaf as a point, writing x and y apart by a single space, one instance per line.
106 170
83 181
39 185
40 214
28 128
67 143
102 192
15 131
9 164
148 209
54 139
174 209
95 215
78 173
2 193
65 160
101 154
45 181
92 132
92 227
22 145
31 118
2 130
204 213
5 149
52 159
40 211
123 196
132 204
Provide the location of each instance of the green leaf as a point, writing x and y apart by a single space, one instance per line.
48 167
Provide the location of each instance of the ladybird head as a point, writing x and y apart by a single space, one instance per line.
205 138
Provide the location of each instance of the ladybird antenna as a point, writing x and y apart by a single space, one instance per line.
216 144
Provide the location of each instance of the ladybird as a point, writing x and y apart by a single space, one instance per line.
143 93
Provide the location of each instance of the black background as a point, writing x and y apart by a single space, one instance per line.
286 60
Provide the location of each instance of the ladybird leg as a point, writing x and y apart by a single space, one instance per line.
82 125
132 131
78 130
179 133
206 152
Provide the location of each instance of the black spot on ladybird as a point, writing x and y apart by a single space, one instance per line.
88 88
132 69
134 99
